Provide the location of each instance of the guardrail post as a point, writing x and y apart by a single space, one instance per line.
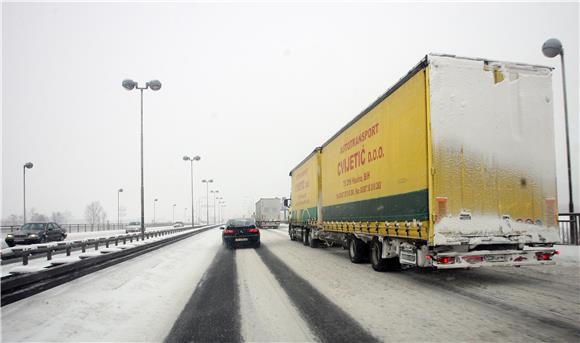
68 250
131 239
25 259
107 243
83 247
97 245
116 241
49 254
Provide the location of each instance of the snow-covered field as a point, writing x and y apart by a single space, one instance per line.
285 291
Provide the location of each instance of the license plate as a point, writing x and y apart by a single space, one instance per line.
241 239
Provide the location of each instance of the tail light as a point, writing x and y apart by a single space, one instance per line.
544 256
445 260
228 232
253 231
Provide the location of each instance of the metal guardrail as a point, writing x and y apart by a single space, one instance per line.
85 227
16 287
569 224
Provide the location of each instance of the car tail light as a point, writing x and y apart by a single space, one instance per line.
445 260
254 231
229 232
543 256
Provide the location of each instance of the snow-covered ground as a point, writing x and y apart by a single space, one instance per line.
79 236
42 262
137 300
279 290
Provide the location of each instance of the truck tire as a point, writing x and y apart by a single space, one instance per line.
380 264
291 233
305 236
358 251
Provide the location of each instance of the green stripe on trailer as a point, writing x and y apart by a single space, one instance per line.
407 206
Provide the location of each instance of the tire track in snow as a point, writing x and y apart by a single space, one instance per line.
212 314
325 319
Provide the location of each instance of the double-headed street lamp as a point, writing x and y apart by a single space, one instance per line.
215 192
154 202
155 85
191 159
119 191
552 48
207 182
27 165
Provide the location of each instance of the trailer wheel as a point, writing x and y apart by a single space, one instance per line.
382 264
291 233
305 236
358 250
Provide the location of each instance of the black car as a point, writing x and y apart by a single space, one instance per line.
240 232
36 233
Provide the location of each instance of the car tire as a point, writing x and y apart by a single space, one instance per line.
42 239
358 251
305 236
257 244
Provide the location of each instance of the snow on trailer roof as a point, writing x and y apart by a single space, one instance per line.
419 66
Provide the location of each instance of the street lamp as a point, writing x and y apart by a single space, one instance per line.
221 214
155 85
191 159
214 197
154 202
219 202
173 215
185 215
207 182
28 165
552 48
119 191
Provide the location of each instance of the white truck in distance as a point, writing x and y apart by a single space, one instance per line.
268 212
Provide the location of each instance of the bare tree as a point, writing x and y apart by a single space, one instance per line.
61 217
12 219
34 216
94 213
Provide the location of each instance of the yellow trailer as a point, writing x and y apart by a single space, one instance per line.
452 167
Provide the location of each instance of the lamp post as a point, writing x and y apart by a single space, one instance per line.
119 191
207 182
219 202
221 212
27 165
154 202
185 215
173 215
155 85
214 197
552 48
191 159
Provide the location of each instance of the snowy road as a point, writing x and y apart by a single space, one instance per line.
197 290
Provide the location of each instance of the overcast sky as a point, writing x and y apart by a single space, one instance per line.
251 88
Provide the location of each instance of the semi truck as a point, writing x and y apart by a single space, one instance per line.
268 212
452 167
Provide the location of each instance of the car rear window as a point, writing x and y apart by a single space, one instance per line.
241 223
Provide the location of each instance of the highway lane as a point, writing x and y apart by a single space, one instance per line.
285 291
